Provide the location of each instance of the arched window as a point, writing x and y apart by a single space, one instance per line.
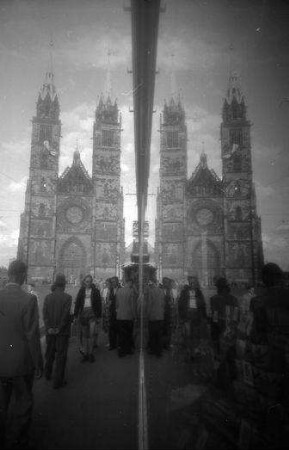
41 210
107 138
72 260
206 262
172 139
237 163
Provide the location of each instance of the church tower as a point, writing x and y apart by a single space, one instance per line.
108 223
170 232
37 228
243 247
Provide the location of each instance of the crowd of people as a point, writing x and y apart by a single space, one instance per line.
114 309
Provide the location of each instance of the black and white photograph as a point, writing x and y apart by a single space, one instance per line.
144 224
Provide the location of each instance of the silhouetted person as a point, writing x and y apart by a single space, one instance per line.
224 322
125 314
20 354
192 314
155 316
271 326
112 321
57 322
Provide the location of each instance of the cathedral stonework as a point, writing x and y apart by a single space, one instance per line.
72 223
207 225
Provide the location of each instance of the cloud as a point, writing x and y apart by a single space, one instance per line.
284 226
8 246
263 191
18 186
276 248
189 54
125 168
2 223
10 239
92 50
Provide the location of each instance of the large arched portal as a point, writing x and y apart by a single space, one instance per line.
72 260
206 262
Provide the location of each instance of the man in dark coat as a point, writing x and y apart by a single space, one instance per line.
223 308
88 307
225 316
57 322
271 327
192 314
112 321
20 354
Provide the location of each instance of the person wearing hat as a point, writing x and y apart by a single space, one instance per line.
20 357
57 323
192 314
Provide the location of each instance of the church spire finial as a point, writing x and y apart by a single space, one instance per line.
48 86
234 88
51 47
203 157
173 83
108 75
76 153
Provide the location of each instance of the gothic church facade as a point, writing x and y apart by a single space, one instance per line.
208 225
72 223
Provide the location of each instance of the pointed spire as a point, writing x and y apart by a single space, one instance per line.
234 89
203 158
76 157
173 83
76 153
48 86
51 47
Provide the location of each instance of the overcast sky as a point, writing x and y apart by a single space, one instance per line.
207 38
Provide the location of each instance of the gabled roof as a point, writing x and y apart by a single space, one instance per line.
75 178
204 177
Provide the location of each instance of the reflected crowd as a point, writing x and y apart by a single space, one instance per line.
243 336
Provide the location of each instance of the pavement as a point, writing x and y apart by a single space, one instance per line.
97 409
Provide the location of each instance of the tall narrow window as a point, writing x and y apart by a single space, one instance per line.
237 163
172 139
107 138
45 133
236 136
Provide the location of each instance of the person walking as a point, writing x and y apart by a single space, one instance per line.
155 317
20 355
192 315
57 323
88 308
125 315
112 321
105 302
